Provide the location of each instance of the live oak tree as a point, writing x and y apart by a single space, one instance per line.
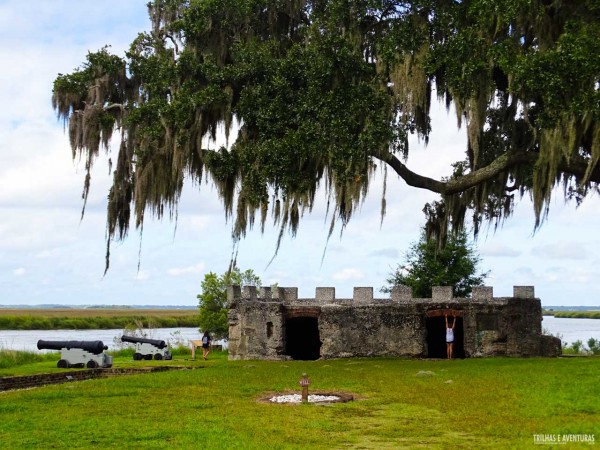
326 92
426 265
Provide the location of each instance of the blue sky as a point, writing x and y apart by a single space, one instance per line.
47 255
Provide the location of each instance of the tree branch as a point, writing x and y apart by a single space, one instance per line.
114 105
411 178
500 164
578 168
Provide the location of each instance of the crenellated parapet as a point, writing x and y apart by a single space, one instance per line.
273 323
364 295
265 294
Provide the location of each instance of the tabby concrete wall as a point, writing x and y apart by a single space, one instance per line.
396 326
62 376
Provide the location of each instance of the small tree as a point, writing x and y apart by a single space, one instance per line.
426 265
212 302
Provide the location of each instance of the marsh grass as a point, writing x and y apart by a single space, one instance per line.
473 403
578 347
573 314
94 318
13 358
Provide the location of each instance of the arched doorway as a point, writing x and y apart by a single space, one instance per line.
302 340
436 334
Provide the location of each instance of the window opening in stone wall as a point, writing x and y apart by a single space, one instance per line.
269 329
436 337
302 341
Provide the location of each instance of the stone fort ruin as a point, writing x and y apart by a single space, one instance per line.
276 324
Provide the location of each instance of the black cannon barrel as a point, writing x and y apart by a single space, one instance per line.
157 343
95 347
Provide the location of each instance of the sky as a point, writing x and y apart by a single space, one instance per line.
49 255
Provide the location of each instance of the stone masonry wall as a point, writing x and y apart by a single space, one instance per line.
395 326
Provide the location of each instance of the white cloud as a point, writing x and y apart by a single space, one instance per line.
579 275
499 250
523 272
44 254
29 228
561 250
348 274
199 223
19 272
142 275
189 270
385 253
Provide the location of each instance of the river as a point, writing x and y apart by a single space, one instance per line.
569 330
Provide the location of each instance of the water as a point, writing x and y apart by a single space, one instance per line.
27 339
571 330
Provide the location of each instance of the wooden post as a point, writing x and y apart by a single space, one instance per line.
304 382
194 345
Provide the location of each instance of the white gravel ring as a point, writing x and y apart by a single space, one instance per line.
297 398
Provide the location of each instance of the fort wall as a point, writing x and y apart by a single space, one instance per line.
276 324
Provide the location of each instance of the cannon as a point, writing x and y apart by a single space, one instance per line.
88 354
148 348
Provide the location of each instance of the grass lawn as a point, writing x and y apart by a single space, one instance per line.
473 404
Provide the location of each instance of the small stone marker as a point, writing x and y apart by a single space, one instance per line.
304 382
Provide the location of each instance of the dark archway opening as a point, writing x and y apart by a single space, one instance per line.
436 338
302 340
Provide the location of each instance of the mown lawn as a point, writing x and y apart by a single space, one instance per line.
474 404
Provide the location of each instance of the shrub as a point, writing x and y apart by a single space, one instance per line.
577 346
594 345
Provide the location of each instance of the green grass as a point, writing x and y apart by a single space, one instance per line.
95 318
573 314
12 358
473 403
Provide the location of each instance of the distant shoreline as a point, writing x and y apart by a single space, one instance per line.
547 309
134 307
570 314
95 318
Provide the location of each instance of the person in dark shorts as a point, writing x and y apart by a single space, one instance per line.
206 344
450 336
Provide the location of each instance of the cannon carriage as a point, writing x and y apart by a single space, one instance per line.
148 348
79 354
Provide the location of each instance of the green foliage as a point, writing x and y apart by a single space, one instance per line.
327 91
427 265
124 352
578 347
212 302
594 346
